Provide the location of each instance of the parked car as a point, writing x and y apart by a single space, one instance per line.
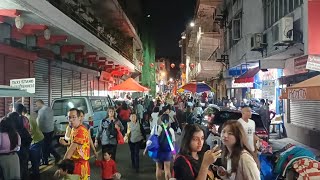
224 115
93 106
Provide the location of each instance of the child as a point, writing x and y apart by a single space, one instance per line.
65 171
108 167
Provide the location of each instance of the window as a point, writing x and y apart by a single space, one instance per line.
97 105
62 106
236 29
276 9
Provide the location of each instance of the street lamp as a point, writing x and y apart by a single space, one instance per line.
183 35
192 24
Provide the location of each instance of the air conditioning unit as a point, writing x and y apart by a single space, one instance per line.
281 31
256 41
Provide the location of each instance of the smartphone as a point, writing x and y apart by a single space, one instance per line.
216 142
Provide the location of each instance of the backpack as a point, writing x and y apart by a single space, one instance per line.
163 141
111 129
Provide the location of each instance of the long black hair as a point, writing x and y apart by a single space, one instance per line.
187 135
16 120
6 126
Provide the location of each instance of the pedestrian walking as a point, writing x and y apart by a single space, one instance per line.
135 136
124 116
46 125
19 124
108 166
107 133
10 143
79 150
36 145
166 138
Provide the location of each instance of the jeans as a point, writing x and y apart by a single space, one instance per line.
35 156
135 149
23 154
47 148
125 126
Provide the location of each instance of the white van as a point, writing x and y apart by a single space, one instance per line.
93 106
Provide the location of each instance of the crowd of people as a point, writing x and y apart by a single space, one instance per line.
164 120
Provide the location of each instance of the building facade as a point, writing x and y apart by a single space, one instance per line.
69 47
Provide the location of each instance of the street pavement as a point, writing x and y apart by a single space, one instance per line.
147 166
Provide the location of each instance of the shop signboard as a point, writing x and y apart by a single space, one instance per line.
241 85
300 64
297 94
268 89
27 84
313 63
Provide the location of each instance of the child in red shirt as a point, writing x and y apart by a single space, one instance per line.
108 167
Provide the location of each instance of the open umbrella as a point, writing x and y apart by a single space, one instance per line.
197 87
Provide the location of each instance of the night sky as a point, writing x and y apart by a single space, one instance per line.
169 19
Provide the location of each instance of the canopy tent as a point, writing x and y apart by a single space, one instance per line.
247 77
129 85
306 90
8 91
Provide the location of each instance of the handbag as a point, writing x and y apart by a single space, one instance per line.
120 138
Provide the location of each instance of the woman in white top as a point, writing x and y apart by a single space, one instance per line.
154 117
240 162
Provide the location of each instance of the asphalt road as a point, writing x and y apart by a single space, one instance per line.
147 166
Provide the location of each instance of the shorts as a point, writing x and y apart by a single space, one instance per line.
163 157
82 168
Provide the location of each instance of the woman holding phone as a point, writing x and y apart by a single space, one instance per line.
192 163
240 162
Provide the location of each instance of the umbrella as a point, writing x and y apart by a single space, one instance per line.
197 87
8 91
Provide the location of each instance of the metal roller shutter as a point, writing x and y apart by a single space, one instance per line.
90 85
41 74
96 87
305 114
84 84
101 89
56 82
67 82
76 84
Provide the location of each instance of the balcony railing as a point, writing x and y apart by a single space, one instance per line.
77 12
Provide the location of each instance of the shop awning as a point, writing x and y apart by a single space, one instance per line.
306 90
247 77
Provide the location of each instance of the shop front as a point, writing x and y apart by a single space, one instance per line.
303 107
14 64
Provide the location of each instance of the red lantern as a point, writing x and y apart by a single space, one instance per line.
151 65
162 65
182 66
191 65
172 65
